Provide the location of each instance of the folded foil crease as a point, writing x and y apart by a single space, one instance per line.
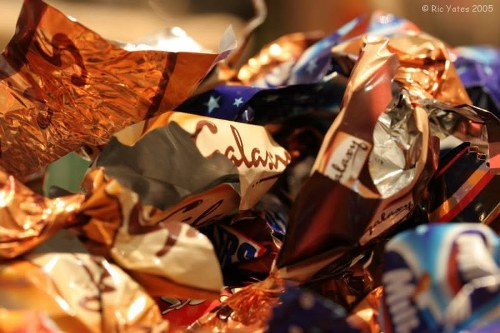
63 86
365 149
241 157
164 256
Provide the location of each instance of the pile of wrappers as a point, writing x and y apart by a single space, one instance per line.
332 183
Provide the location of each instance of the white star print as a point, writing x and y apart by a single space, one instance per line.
311 66
213 103
238 101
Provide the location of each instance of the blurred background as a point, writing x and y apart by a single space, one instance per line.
205 20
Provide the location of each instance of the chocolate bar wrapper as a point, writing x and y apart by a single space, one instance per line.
165 258
63 86
271 66
182 313
77 292
318 61
246 246
441 278
248 310
360 164
479 68
236 163
464 189
249 104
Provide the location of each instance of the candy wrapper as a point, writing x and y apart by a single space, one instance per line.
464 189
165 258
441 278
479 69
75 292
235 166
352 169
63 86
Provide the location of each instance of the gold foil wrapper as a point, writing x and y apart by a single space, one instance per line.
278 56
165 257
425 69
63 86
74 293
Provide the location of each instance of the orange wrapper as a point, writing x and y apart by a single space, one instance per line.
77 292
26 321
63 86
166 258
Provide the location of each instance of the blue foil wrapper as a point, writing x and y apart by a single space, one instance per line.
479 70
441 278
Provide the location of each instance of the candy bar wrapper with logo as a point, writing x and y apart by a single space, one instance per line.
246 246
165 257
73 292
464 189
63 86
372 167
442 278
196 168
479 69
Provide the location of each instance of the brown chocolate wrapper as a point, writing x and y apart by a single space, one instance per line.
359 153
63 86
74 293
166 258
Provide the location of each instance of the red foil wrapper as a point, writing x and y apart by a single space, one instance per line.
63 86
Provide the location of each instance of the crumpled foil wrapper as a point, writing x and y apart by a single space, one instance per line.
70 292
63 86
164 257
201 155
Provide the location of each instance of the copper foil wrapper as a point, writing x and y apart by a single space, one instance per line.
378 139
276 57
74 293
425 68
164 257
63 86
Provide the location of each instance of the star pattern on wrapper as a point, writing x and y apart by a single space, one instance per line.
238 101
213 103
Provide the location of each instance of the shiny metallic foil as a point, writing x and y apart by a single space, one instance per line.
277 57
165 257
63 86
74 293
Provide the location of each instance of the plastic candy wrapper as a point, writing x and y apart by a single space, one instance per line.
246 246
235 166
464 189
63 86
165 258
442 278
74 293
479 69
